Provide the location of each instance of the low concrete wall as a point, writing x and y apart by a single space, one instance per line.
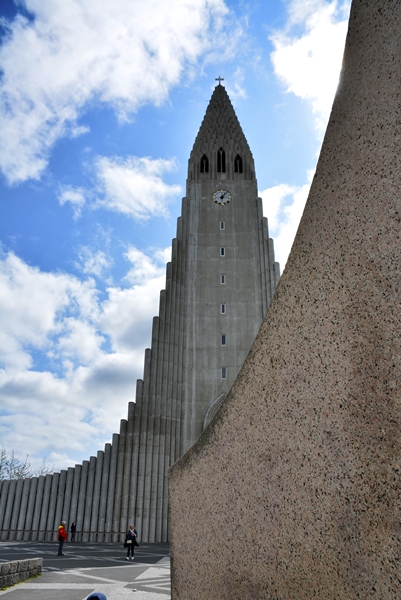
19 570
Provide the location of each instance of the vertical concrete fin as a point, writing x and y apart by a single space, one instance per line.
28 534
119 482
50 525
23 508
45 507
38 507
101 527
80 516
89 499
112 488
75 495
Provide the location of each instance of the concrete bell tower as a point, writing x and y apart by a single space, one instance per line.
230 274
219 285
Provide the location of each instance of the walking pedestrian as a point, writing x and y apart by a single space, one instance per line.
73 529
130 541
62 536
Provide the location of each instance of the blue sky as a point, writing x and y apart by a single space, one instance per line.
101 102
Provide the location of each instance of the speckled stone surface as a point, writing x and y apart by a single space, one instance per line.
293 491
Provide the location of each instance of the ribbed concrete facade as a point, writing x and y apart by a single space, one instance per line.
219 284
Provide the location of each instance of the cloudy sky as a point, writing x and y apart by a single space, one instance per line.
101 101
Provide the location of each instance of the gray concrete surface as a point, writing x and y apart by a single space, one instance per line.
89 567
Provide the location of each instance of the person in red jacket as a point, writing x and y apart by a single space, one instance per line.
62 536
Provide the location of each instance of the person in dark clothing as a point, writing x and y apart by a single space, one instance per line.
73 529
130 541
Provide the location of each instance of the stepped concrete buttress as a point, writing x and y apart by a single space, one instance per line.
293 490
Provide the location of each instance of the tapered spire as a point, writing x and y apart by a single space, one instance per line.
219 132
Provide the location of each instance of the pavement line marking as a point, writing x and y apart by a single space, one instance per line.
88 576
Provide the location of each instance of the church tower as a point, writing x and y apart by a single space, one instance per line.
219 285
230 274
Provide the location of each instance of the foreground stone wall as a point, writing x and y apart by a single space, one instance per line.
293 491
19 570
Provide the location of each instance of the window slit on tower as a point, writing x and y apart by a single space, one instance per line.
221 161
204 164
238 164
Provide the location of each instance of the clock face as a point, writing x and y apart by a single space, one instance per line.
222 197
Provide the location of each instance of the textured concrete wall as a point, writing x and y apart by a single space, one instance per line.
293 491
19 570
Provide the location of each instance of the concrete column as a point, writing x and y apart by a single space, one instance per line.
16 509
96 497
50 525
111 486
67 495
127 473
38 507
170 375
28 534
136 416
180 316
89 499
4 484
103 493
58 515
45 508
151 439
75 495
273 268
140 516
81 500
7 497
22 510
159 430
263 259
277 273
119 482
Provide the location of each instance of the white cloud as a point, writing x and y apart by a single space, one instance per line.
127 315
283 206
93 262
33 305
76 196
134 186
58 379
309 64
125 54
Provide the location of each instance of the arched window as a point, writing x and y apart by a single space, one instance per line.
204 164
238 164
221 161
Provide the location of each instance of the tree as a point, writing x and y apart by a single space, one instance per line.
12 467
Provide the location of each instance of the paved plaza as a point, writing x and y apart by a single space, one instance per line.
89 567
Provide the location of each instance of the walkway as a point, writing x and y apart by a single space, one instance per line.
89 567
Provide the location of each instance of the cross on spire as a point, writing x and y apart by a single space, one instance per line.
219 79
